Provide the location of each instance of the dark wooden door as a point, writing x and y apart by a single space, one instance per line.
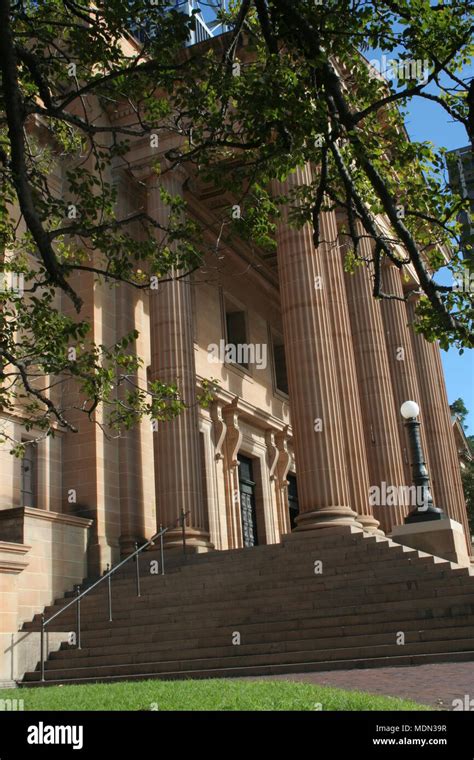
247 502
293 500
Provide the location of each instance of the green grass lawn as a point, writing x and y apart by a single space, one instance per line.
216 694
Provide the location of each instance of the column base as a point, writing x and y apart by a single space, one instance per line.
370 525
101 553
197 541
328 517
127 544
443 538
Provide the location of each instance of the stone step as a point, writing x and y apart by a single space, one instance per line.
419 592
221 645
270 630
255 671
444 605
331 578
252 558
256 557
334 574
287 616
142 664
162 596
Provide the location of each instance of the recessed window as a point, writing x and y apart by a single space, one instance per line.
28 476
279 361
236 335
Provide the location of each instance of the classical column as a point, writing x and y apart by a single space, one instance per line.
137 493
445 471
323 488
351 413
90 460
400 356
375 386
177 451
132 474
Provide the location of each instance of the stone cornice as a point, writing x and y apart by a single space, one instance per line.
12 547
16 562
43 514
250 413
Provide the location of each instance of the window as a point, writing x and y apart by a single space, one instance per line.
237 349
279 362
28 476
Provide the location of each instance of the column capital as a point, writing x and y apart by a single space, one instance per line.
234 434
272 452
220 428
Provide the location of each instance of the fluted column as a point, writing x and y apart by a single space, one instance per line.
351 413
444 471
400 357
133 474
323 489
177 449
375 386
137 494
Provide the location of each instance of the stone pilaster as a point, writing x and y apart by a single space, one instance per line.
90 462
222 477
375 384
445 471
400 357
137 492
281 482
323 489
177 451
132 473
278 466
232 443
341 338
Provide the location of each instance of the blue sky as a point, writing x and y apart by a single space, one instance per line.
427 121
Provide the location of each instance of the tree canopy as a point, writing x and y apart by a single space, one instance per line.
288 84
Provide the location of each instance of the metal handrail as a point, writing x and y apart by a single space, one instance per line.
107 576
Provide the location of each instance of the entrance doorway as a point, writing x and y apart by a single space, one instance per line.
293 505
248 511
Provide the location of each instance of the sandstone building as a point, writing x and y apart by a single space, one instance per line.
311 373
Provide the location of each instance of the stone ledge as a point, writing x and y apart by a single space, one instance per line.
441 538
11 557
48 516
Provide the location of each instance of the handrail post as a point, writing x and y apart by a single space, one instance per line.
137 568
78 618
42 646
162 555
109 584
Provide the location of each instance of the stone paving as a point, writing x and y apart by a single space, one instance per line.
435 685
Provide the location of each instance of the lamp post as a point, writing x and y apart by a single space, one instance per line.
425 510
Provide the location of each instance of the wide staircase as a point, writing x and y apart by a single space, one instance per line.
270 610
